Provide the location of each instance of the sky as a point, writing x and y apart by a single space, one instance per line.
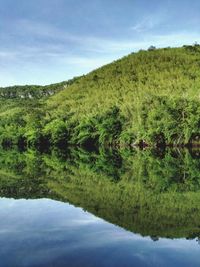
47 41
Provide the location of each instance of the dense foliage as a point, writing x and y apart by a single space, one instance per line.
150 97
33 91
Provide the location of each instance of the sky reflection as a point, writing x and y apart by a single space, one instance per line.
50 233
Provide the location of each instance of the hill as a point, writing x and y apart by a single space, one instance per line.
148 98
33 91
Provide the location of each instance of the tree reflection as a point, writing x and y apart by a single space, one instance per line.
154 193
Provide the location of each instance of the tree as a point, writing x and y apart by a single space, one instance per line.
151 48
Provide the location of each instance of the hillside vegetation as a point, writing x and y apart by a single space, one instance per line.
33 91
147 98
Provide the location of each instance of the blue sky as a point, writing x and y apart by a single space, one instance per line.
46 41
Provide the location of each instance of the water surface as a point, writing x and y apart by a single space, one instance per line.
105 209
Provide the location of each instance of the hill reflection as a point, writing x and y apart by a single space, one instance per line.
154 193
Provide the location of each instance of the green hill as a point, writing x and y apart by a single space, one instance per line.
149 98
33 91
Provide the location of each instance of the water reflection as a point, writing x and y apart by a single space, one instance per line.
50 233
155 194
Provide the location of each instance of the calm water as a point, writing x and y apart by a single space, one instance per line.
99 209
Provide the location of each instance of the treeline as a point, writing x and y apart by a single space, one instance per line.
33 91
149 98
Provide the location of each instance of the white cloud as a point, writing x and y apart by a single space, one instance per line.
62 42
150 22
146 24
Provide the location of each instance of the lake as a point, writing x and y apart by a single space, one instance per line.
105 208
